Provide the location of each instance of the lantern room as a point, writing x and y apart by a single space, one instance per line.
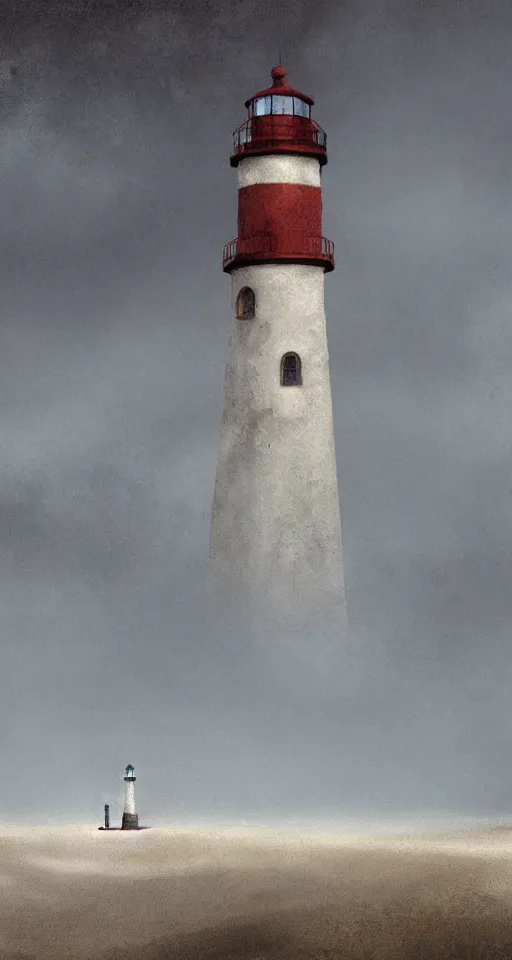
279 121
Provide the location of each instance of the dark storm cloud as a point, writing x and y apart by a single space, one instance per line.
115 199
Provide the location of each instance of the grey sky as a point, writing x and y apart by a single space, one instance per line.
116 197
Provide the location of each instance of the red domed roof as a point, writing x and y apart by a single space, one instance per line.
281 86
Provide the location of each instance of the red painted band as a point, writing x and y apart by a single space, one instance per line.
279 210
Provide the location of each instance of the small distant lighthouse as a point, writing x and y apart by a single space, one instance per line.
130 819
276 531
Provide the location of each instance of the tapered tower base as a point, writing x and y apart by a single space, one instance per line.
276 531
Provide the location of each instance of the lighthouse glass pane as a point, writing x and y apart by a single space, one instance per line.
282 104
300 108
262 106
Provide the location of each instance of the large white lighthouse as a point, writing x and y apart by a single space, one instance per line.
276 532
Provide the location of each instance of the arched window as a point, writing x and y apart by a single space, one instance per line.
245 304
291 370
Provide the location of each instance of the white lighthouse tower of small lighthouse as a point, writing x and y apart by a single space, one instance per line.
276 532
130 819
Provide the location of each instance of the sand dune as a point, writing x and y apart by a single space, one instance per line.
242 894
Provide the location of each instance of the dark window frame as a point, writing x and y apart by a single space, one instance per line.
291 374
245 307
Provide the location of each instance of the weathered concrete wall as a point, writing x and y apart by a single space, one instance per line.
276 532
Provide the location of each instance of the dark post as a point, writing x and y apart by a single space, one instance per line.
107 817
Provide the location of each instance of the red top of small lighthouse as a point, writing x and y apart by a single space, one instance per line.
279 122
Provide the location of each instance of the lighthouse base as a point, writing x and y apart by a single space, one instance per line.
130 821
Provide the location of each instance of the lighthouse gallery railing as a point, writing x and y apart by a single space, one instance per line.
267 246
253 134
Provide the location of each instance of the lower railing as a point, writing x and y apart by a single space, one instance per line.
282 248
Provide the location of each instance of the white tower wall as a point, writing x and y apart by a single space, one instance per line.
276 532
129 797
286 168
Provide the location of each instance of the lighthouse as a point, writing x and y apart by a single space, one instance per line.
275 530
130 819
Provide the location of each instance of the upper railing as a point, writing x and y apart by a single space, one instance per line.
269 247
281 133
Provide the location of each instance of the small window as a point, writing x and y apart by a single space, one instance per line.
245 304
291 370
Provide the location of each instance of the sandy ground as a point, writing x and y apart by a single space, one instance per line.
75 893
